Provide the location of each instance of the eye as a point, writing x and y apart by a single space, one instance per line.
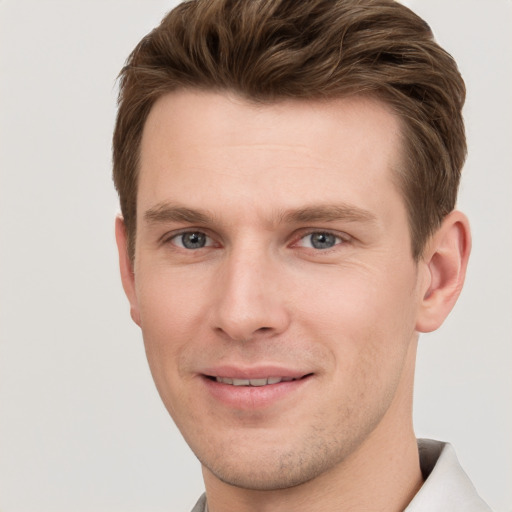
320 240
192 240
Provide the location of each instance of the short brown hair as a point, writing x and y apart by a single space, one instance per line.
267 50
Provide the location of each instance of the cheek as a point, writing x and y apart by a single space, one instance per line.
169 301
361 314
171 309
367 325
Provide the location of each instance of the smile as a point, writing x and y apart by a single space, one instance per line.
254 390
254 382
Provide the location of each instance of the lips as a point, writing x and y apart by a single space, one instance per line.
254 382
269 372
252 389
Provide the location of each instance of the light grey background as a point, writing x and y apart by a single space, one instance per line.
81 425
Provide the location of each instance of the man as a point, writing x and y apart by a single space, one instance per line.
288 173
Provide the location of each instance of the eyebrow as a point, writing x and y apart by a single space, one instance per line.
328 213
167 212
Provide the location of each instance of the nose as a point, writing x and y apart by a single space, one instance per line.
251 300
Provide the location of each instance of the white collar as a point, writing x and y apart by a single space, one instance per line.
446 488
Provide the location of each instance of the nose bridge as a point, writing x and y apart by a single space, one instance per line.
249 302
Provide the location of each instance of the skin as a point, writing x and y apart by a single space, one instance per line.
257 181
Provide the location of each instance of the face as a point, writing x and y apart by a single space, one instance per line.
273 281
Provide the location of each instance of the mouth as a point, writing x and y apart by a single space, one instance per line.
255 388
259 382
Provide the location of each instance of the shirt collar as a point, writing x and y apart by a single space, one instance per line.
446 486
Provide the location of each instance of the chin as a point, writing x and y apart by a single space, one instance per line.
267 479
262 471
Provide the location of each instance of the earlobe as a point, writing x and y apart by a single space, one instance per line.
446 259
126 268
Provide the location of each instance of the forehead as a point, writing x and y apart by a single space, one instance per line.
211 148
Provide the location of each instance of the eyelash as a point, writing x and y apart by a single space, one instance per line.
340 239
174 236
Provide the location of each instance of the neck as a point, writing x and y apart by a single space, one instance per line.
383 474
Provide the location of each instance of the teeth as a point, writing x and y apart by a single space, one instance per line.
258 382
225 380
253 382
241 382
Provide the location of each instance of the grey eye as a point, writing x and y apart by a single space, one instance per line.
191 240
320 240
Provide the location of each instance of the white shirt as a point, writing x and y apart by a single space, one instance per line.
447 488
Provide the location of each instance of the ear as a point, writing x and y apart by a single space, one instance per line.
126 267
445 260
